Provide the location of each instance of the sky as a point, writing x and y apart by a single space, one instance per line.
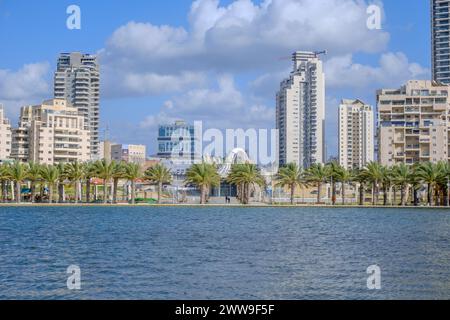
212 60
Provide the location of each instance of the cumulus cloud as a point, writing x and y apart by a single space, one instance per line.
222 106
242 36
393 70
27 85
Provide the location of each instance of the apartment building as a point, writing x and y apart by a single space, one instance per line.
440 32
356 134
5 136
129 153
413 123
300 112
77 80
49 133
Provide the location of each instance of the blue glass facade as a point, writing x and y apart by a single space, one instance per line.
440 26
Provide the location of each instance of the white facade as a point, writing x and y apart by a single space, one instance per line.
356 134
128 153
50 133
300 113
5 136
414 123
77 80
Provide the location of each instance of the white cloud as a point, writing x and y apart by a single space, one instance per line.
242 36
394 69
222 106
27 85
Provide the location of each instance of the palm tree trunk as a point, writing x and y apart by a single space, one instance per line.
292 193
116 185
333 193
61 192
373 193
75 185
133 191
18 185
33 190
105 197
385 195
88 190
361 194
395 196
50 193
429 195
343 193
402 196
159 192
416 197
319 186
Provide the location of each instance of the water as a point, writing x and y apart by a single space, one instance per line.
224 253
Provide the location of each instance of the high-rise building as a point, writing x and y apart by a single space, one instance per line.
440 32
129 153
356 134
49 133
5 136
300 113
177 142
77 80
413 123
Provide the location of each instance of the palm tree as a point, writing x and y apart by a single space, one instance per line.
416 183
345 177
386 183
132 172
34 175
18 173
373 173
118 172
75 173
290 176
402 178
361 179
204 176
429 174
444 169
89 172
4 178
247 176
104 171
158 175
51 176
318 174
61 181
334 169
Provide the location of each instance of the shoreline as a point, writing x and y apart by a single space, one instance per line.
239 206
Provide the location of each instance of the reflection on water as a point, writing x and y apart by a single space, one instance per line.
224 253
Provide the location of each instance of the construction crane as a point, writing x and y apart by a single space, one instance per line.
316 53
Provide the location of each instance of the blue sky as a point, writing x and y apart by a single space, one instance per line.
217 61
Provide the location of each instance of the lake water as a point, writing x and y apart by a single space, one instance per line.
224 253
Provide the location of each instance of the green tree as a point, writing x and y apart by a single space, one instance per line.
4 179
158 175
75 173
247 176
34 176
50 175
290 176
334 170
105 171
118 172
345 177
373 173
61 168
18 173
402 178
318 174
430 174
204 176
132 172
89 172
